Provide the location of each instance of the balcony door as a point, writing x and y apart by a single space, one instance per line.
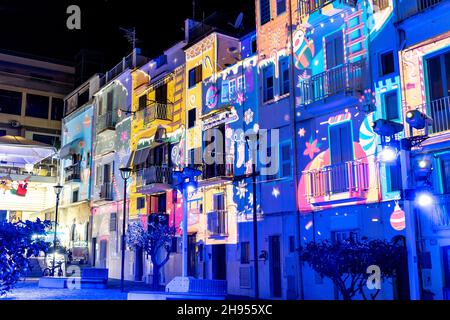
438 69
336 77
341 152
216 149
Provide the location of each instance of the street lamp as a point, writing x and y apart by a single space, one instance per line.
125 173
58 188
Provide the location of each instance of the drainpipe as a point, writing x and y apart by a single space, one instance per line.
296 179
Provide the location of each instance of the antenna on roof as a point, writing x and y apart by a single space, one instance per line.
130 35
239 23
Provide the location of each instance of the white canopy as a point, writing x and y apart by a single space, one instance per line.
18 151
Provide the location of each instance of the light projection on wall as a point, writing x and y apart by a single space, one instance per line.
303 48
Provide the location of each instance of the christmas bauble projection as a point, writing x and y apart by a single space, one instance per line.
397 219
18 188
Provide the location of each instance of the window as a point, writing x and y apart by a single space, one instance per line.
161 94
268 83
240 84
254 45
75 195
140 203
445 168
57 109
394 176
43 138
37 106
264 11
161 60
2 133
391 111
195 75
439 76
245 252
142 102
334 50
225 91
281 6
341 143
232 89
10 102
83 98
387 63
286 160
113 222
110 100
192 115
284 75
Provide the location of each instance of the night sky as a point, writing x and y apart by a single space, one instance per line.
39 27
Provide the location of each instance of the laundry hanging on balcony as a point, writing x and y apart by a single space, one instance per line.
71 148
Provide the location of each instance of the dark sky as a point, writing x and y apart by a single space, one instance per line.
39 27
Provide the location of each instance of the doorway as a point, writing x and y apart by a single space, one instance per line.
94 251
275 266
139 264
192 265
103 253
219 262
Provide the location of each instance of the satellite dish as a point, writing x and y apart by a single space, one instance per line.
238 24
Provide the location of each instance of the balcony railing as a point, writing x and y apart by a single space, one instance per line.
306 7
106 121
218 223
441 213
152 175
380 4
350 177
439 111
344 79
158 111
72 173
106 191
217 170
411 7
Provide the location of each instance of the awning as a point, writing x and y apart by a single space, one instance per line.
138 157
19 151
70 148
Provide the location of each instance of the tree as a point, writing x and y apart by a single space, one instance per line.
346 263
156 241
19 241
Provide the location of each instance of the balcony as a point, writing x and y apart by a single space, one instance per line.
412 7
216 173
154 179
106 121
439 111
344 182
441 214
157 111
346 79
217 224
106 192
72 173
307 7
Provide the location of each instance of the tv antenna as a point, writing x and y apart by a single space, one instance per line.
239 23
130 35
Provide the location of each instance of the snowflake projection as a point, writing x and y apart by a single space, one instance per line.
256 128
248 116
312 147
240 98
249 167
276 192
302 132
250 199
241 189
124 136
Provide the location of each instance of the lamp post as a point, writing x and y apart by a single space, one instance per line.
125 174
58 188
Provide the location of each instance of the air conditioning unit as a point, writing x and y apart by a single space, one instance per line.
14 123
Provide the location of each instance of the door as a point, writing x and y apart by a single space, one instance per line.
275 266
139 264
94 251
219 262
402 274
103 253
446 256
192 266
341 152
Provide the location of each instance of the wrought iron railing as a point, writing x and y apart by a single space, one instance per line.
439 112
158 111
441 212
411 7
218 223
211 171
72 173
106 121
155 174
344 79
352 176
306 7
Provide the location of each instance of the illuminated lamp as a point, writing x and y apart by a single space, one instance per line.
416 119
388 155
